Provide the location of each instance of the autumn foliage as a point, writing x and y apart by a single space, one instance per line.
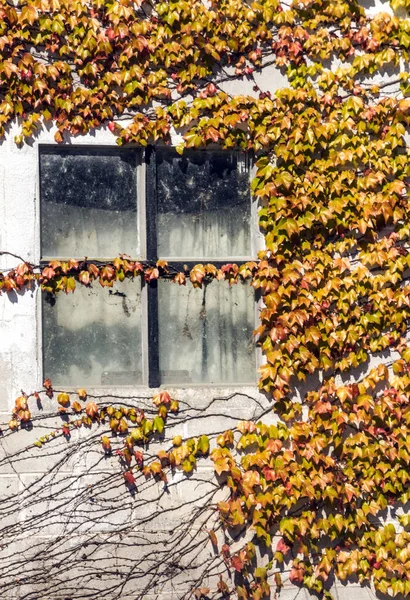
332 176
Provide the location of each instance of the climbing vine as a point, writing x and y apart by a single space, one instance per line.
332 181
60 276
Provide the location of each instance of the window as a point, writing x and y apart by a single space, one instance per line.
99 202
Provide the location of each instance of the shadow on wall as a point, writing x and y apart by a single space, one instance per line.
72 528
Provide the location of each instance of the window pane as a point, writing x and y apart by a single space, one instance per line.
204 207
205 335
93 337
88 202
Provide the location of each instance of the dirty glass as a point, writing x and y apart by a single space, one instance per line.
204 208
206 335
93 337
88 202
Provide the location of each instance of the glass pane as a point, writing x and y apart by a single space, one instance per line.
88 202
204 207
206 335
93 337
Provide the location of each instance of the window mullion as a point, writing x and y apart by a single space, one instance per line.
151 249
153 353
151 204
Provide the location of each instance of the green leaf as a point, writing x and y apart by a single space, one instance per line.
287 527
203 444
158 424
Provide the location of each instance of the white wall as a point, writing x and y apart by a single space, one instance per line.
71 526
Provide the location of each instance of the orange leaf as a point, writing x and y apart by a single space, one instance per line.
91 409
213 537
82 394
162 398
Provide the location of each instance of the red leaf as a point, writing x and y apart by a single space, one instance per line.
129 477
237 563
139 458
296 574
282 547
47 384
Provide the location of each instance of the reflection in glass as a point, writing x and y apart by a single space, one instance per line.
88 202
204 208
206 335
93 337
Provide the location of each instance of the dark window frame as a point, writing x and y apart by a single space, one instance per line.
148 241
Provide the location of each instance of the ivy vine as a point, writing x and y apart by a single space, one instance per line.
332 177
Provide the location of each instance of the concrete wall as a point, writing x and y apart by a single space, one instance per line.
69 527
65 502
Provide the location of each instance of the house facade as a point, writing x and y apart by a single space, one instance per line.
70 527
